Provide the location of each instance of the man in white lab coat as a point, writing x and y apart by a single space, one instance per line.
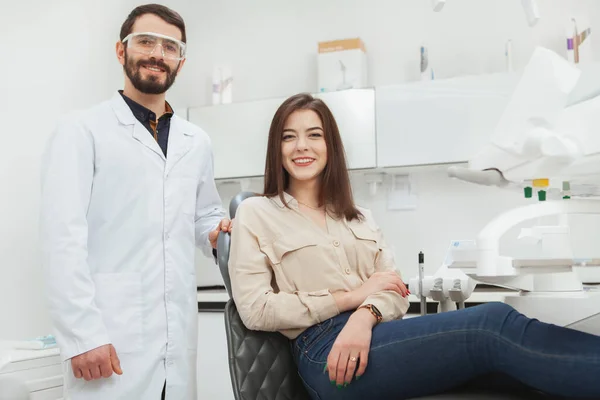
127 194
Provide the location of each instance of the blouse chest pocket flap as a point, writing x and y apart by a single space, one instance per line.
286 244
363 232
368 247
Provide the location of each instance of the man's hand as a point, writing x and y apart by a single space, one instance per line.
225 225
98 363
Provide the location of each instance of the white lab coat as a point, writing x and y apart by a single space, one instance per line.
118 222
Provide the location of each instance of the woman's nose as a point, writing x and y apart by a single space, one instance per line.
301 143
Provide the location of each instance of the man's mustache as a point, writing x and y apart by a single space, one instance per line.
154 63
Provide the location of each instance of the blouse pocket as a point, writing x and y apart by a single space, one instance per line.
368 249
285 246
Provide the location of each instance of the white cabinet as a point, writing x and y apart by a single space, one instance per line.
440 121
239 135
239 131
213 367
420 123
39 370
354 111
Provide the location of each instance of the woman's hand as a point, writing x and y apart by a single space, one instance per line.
350 351
378 282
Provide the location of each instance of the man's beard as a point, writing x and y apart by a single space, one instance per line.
152 84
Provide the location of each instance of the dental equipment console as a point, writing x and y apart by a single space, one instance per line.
546 145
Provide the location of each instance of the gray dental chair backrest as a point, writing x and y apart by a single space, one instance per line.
260 363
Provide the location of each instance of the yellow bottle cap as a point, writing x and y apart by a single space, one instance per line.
541 182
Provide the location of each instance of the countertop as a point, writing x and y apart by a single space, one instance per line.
214 299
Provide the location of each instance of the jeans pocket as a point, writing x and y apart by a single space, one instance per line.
312 336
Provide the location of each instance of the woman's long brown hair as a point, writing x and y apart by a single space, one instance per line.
335 190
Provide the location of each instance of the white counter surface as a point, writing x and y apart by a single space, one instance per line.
479 296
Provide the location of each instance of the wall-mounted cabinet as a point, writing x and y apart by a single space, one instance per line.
239 131
421 123
440 121
354 112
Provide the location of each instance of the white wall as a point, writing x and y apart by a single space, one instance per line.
57 55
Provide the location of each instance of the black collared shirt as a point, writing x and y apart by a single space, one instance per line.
158 129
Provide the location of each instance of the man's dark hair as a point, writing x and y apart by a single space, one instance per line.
165 13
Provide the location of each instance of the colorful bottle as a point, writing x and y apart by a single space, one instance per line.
566 188
541 186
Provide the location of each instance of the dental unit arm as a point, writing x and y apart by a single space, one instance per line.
547 146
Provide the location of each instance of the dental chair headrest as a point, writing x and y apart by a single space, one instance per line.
237 200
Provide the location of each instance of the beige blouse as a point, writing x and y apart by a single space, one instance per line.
284 267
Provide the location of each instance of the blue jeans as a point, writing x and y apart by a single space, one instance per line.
439 352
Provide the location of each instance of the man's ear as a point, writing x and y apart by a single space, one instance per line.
120 51
180 65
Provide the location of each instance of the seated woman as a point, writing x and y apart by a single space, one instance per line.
305 261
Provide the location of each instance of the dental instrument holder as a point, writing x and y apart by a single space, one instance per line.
449 288
421 275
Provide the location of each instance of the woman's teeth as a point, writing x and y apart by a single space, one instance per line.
303 160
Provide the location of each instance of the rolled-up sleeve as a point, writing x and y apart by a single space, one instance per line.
391 304
259 305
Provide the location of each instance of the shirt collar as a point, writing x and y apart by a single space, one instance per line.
291 201
144 114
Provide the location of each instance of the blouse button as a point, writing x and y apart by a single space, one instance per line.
336 243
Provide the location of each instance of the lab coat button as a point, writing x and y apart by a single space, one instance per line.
336 243
347 270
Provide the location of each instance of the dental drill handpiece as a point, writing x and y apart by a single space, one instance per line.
421 273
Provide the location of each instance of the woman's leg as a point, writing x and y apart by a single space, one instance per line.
438 352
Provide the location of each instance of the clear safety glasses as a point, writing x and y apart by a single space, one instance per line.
146 42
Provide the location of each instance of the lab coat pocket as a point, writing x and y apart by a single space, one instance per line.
119 298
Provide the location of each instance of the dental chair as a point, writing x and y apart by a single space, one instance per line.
261 366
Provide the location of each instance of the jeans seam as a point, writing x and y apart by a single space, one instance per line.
491 333
310 388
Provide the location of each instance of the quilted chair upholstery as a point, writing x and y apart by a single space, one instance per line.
260 363
261 366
